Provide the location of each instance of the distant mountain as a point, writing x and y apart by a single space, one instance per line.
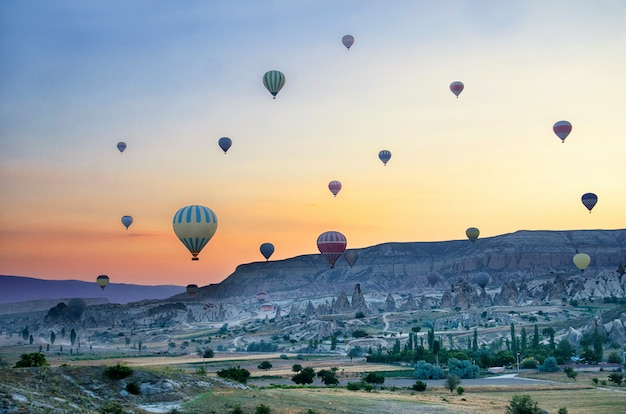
523 256
20 289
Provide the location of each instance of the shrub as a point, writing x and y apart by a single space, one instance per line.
354 386
265 365
452 381
237 409
562 410
329 376
359 333
208 353
549 365
613 358
304 376
571 373
118 372
594 380
112 408
133 388
374 378
419 386
460 390
462 369
34 359
262 409
529 364
522 404
235 373
424 370
617 378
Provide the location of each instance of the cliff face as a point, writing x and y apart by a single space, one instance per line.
402 267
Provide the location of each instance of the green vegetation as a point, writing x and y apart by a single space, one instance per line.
235 373
419 386
522 404
118 372
452 381
34 359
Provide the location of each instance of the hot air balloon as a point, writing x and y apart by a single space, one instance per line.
562 129
274 81
348 41
481 279
102 281
192 290
267 249
225 143
457 88
589 200
581 260
472 233
195 225
350 257
332 245
261 296
384 156
121 146
334 187
432 277
127 221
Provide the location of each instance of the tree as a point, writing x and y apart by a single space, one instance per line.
374 378
304 376
475 341
72 336
536 337
616 377
34 359
564 352
31 340
296 367
522 404
462 369
235 373
452 381
208 353
329 376
549 365
53 337
549 331
524 343
25 333
514 348
265 365
571 373
436 349
424 370
597 345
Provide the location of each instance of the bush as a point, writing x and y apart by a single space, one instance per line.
452 381
265 365
118 372
616 378
424 370
562 410
522 404
529 364
304 376
419 386
374 378
549 365
262 409
354 386
133 388
112 408
235 373
594 380
208 353
237 409
34 359
613 358
329 376
462 369
460 390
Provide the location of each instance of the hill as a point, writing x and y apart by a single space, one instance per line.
21 289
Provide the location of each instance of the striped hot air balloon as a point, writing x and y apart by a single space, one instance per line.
348 41
332 245
456 88
274 81
562 129
195 225
334 187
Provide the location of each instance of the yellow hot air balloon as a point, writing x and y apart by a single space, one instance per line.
581 260
102 281
195 225
472 234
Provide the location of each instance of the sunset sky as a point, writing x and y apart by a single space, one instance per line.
171 77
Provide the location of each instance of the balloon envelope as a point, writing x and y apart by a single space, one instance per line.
348 41
350 257
102 281
121 146
432 277
261 296
581 260
195 225
481 279
456 88
384 156
192 290
274 81
562 129
472 233
589 200
332 245
127 221
225 143
334 187
267 249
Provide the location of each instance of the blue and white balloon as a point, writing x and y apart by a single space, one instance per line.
195 225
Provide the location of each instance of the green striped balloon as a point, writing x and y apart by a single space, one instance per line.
274 81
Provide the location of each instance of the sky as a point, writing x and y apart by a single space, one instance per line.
171 78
